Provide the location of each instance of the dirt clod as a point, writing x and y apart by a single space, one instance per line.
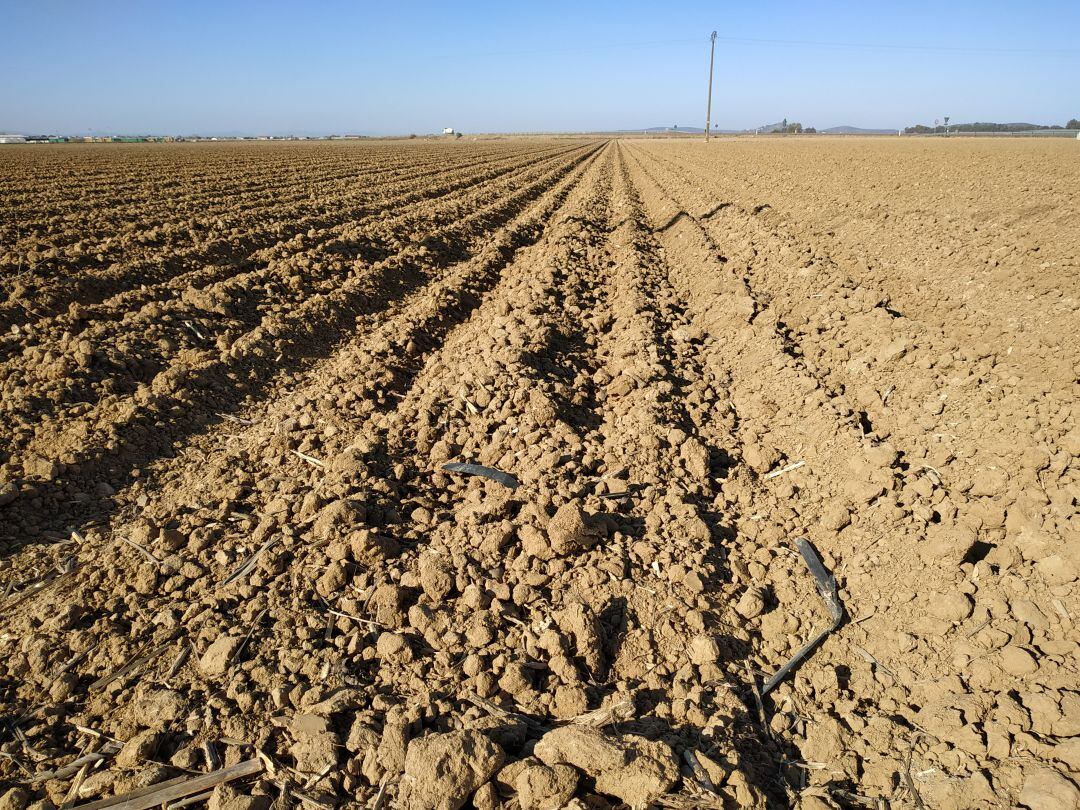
632 768
571 529
138 749
540 787
1046 789
215 661
443 770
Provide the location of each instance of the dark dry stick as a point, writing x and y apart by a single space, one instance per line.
250 562
131 666
826 585
909 782
250 632
752 678
497 476
178 662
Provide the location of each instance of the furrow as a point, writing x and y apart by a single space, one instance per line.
215 242
123 434
146 341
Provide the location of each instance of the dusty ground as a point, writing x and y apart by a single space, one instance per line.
231 375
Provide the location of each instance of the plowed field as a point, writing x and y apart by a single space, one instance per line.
231 377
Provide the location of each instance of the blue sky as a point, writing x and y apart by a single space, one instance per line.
384 68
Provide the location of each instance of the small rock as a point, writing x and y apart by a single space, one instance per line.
586 748
717 773
369 547
187 758
694 581
97 783
145 579
332 582
339 516
228 797
570 701
1028 612
1068 751
340 700
892 351
696 457
172 539
1035 459
1067 724
651 771
149 774
361 737
394 743
989 482
390 644
863 492
579 622
506 778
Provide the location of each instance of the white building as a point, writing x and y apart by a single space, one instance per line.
448 131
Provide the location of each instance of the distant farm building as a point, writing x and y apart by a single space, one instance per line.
448 131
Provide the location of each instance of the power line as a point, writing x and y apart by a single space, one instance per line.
886 46
587 48
901 47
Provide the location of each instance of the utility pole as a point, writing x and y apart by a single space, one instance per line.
708 109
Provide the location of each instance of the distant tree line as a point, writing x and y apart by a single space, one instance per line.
793 128
981 126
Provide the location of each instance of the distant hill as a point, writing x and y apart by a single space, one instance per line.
777 127
849 130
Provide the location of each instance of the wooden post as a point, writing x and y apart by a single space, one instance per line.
708 109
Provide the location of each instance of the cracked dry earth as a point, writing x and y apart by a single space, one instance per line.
231 376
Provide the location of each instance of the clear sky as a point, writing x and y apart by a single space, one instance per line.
192 66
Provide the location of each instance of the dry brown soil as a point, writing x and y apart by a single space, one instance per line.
231 375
